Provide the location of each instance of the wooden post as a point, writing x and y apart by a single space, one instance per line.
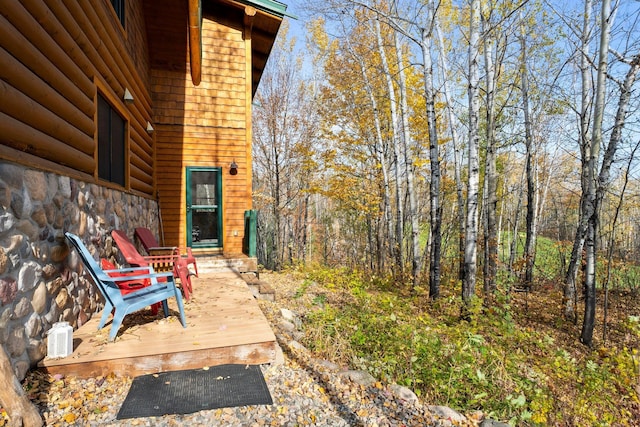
13 399
195 40
249 16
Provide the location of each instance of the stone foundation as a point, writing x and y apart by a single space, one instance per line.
39 282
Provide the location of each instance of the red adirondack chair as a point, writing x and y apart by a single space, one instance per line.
128 286
170 262
151 245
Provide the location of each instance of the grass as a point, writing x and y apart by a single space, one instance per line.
516 361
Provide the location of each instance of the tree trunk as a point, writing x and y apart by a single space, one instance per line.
569 297
381 156
491 233
588 324
513 248
396 154
471 228
278 248
416 264
434 156
530 241
457 158
614 141
12 398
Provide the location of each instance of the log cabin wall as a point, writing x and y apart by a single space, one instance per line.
206 125
55 56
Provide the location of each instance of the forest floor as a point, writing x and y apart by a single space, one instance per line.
542 310
546 375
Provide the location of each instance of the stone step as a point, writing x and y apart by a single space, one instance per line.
262 290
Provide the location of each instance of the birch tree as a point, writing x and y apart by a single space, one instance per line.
380 153
531 217
591 203
400 127
434 156
395 118
471 228
604 178
491 200
424 39
570 294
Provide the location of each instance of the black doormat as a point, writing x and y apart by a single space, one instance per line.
185 392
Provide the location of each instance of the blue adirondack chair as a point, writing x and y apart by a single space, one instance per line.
125 304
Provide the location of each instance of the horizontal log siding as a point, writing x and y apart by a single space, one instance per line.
204 125
51 53
136 42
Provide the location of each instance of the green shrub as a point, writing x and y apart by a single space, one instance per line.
510 371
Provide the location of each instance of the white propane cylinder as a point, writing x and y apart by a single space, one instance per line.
60 342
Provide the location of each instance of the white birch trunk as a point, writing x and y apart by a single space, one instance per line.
396 152
588 323
434 155
490 235
569 297
408 166
457 156
471 228
386 202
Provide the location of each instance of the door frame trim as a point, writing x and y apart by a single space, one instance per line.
188 222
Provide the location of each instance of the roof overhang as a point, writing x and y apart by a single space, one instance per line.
268 6
260 21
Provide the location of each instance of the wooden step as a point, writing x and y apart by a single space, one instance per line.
220 263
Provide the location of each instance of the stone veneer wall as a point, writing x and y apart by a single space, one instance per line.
39 283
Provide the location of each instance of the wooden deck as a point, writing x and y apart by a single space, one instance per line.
224 325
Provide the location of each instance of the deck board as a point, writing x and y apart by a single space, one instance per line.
224 325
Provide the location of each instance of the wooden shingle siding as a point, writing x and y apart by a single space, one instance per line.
204 125
53 54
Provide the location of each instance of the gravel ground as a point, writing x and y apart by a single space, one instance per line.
305 392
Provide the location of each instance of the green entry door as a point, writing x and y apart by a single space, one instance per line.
204 207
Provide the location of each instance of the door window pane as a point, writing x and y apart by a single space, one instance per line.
205 226
203 188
